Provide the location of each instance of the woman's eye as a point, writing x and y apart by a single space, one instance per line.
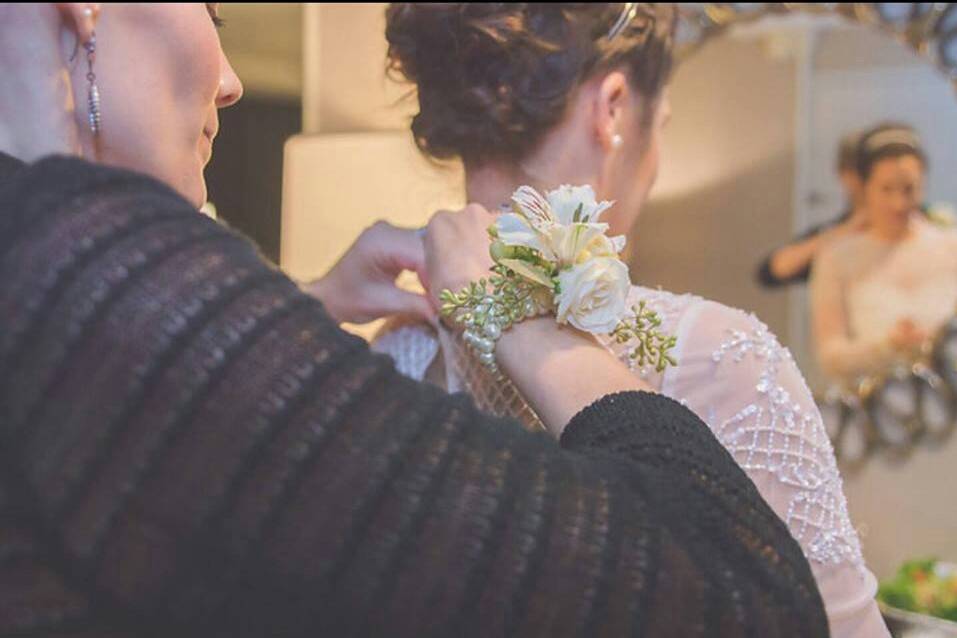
213 10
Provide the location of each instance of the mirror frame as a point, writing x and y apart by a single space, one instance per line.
928 28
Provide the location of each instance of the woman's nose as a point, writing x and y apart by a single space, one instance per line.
230 86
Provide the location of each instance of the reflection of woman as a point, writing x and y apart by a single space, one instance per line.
546 95
791 264
190 447
878 293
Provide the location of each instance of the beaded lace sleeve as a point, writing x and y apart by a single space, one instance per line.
758 406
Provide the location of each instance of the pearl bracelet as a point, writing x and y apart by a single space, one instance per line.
486 326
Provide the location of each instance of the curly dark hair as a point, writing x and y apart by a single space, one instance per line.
493 78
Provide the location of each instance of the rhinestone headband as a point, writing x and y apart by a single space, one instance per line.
628 13
891 136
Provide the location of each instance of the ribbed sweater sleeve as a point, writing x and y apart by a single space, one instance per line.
193 447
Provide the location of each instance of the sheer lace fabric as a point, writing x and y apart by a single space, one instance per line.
871 285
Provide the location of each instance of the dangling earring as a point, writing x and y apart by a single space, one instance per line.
616 141
93 92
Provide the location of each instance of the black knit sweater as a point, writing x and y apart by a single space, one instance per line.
191 447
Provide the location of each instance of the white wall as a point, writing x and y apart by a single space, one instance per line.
725 187
264 45
349 89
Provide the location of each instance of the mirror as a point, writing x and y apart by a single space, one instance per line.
762 98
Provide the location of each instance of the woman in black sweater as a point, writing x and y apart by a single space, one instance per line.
191 446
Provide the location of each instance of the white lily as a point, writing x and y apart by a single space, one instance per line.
530 204
565 201
514 230
577 243
562 226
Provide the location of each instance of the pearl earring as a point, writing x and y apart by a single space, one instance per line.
616 141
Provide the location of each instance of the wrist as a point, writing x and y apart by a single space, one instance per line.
321 289
541 358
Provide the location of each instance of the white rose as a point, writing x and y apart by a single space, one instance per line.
593 295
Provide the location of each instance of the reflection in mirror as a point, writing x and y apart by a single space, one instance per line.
764 146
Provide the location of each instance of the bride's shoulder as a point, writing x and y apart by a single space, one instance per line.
703 325
670 306
682 308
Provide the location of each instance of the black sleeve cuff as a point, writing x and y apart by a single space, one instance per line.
616 421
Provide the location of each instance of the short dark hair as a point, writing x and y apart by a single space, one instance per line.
493 78
847 151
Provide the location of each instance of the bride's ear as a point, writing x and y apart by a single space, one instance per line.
80 17
610 100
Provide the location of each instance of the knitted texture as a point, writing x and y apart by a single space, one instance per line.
191 447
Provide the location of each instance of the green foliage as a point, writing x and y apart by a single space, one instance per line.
503 297
651 346
922 587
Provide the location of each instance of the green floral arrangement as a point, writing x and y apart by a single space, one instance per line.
923 586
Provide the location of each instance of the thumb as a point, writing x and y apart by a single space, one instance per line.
406 251
402 302
401 249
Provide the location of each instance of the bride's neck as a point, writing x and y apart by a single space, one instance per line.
491 185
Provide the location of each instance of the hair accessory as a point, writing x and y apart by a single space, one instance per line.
628 13
891 136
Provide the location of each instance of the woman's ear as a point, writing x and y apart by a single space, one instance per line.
610 99
81 17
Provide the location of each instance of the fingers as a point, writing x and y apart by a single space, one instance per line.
403 249
453 250
482 216
395 301
456 248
